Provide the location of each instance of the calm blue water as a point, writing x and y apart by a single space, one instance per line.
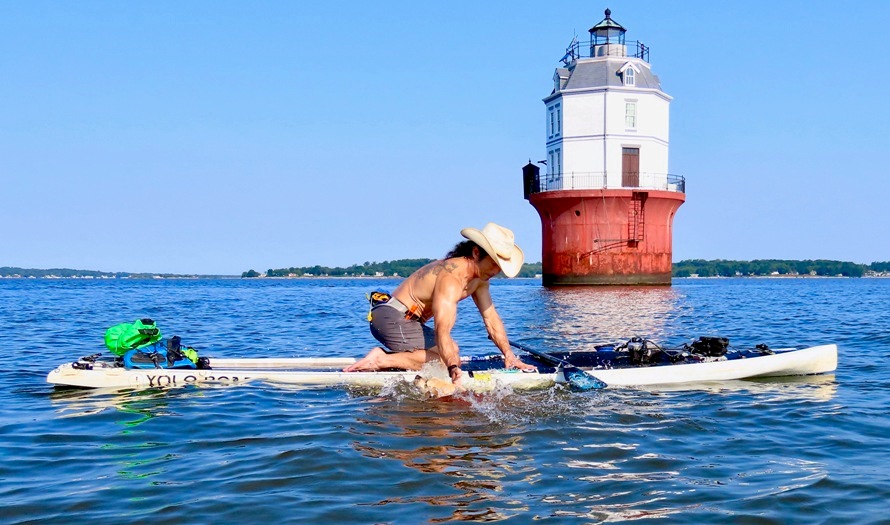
800 450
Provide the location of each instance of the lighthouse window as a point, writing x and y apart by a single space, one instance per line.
554 121
630 114
629 77
554 163
552 116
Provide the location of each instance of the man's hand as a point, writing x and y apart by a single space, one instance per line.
511 361
456 375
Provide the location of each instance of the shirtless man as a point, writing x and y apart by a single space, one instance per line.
433 292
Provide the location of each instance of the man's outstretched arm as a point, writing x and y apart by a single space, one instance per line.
446 295
495 327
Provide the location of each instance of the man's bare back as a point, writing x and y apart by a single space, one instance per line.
418 290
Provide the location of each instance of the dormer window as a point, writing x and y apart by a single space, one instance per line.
560 76
628 74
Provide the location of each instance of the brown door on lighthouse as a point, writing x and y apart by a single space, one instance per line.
630 167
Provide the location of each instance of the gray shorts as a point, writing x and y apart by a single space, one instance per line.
398 334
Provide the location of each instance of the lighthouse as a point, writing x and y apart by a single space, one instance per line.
605 197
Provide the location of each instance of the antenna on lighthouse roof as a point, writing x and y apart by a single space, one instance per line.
573 51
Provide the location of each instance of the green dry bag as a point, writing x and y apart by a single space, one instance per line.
124 337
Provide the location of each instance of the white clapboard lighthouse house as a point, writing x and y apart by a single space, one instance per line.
606 200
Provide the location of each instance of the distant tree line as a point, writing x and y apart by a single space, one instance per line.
386 268
404 267
686 268
880 266
400 268
11 271
764 267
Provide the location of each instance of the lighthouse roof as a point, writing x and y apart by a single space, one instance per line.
605 73
607 24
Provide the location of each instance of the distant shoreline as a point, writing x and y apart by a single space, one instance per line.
884 275
398 269
125 277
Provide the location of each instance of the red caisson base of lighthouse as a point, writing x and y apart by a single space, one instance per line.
607 237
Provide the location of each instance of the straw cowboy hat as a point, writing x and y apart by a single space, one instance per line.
497 242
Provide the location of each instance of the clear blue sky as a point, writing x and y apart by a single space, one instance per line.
215 137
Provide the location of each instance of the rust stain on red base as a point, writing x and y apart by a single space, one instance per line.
607 237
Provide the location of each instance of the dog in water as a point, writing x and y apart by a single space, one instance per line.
435 387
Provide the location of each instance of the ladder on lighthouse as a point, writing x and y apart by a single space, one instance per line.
636 218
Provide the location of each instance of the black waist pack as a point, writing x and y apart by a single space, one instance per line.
710 346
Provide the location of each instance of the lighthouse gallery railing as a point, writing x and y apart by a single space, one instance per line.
600 180
634 49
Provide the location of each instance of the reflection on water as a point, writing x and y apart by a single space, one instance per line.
820 388
136 456
607 513
595 456
458 440
143 404
612 455
583 316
